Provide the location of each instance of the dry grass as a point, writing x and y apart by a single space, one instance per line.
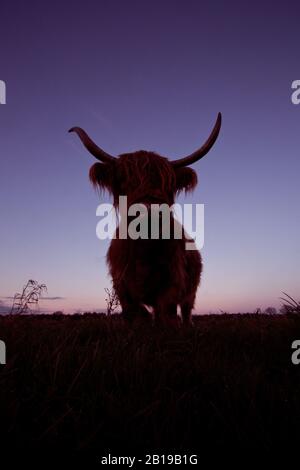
90 383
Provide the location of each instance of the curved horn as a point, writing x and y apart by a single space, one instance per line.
194 157
91 146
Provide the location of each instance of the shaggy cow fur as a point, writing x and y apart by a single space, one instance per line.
160 273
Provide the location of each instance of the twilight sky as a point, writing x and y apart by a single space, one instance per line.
152 75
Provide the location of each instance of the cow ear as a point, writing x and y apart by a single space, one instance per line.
101 176
186 179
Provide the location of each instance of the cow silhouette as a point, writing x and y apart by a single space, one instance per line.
159 273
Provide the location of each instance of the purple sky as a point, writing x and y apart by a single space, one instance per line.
150 75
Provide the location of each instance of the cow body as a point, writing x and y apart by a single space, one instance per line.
159 273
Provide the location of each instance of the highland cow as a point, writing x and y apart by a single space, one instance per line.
157 273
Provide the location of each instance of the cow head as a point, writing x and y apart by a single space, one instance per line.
144 177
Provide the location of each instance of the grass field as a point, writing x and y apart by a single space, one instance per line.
92 383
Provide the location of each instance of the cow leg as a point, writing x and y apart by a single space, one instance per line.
128 311
186 309
132 310
166 314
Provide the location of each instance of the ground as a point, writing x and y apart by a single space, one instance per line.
94 384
